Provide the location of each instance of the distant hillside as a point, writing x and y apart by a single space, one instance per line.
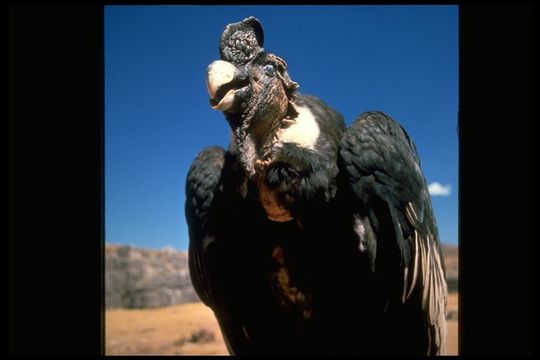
451 260
145 278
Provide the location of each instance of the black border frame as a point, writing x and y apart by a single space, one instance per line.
55 180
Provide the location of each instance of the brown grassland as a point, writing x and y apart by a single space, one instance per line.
190 329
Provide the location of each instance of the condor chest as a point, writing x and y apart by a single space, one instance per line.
273 274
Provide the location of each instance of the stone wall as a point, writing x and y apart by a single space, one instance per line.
144 278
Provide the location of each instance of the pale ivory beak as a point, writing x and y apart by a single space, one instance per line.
220 73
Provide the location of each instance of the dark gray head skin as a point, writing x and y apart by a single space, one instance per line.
241 41
252 88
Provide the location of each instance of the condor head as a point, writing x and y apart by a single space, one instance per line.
253 90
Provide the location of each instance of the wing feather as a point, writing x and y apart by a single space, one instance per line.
206 214
380 163
201 187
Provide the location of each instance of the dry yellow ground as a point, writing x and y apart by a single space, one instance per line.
161 331
453 324
169 331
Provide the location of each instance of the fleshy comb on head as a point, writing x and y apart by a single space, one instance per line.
241 41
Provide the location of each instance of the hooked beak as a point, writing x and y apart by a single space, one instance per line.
224 81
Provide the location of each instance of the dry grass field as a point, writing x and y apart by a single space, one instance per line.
189 329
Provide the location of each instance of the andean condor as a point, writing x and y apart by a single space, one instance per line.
308 237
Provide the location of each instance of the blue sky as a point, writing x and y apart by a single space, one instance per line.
402 60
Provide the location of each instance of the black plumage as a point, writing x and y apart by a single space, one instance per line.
307 237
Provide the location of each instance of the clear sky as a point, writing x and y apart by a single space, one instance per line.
402 60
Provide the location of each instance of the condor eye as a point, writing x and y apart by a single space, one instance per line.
269 70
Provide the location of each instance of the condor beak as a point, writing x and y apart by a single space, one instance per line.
223 81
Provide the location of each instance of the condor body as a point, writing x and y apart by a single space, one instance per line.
308 237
